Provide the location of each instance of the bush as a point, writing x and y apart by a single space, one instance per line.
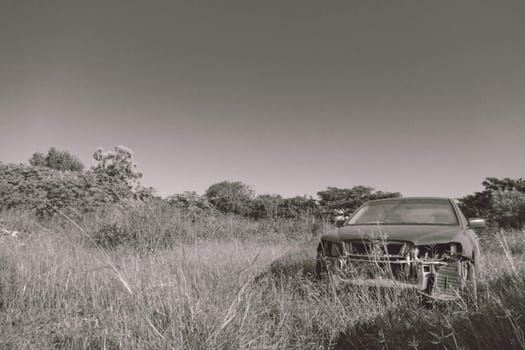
56 181
190 201
58 160
509 208
111 235
274 206
351 198
502 202
42 189
231 197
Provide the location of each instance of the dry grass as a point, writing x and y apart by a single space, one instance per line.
56 291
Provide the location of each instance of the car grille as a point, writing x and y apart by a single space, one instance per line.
375 248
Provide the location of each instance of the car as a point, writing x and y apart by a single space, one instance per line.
423 243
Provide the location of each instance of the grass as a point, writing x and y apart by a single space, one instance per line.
228 283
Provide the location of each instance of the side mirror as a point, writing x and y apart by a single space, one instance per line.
476 222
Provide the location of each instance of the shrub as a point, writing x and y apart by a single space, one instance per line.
117 166
297 206
111 235
509 208
266 206
42 189
351 198
502 202
58 160
56 181
274 206
190 201
231 197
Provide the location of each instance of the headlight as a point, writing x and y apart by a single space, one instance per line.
437 251
455 248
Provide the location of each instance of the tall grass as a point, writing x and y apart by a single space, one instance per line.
228 283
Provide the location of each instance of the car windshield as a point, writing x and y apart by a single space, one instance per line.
402 212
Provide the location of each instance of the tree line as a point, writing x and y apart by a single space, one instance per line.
238 198
58 180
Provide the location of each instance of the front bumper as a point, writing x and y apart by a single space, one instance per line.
441 280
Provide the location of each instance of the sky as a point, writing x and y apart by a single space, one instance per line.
289 97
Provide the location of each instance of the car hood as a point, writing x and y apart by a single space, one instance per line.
417 234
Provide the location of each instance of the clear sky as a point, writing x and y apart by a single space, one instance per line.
420 97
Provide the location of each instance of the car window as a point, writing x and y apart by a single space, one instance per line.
424 212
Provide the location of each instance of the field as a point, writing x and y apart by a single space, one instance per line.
227 283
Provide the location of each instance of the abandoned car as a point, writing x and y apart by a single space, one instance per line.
421 243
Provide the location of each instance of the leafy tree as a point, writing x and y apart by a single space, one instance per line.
505 184
116 171
145 193
38 159
45 185
55 159
189 200
297 206
117 163
477 205
501 202
42 189
266 206
509 208
351 198
230 197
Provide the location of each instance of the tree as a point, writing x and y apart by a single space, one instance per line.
191 204
296 206
38 159
43 189
116 171
45 185
58 160
509 208
477 205
117 164
230 197
501 202
266 206
351 198
145 193
505 184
